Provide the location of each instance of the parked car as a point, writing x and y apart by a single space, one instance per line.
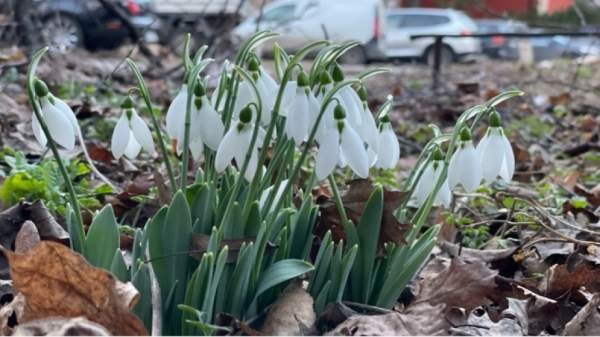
303 21
402 23
500 46
546 48
74 23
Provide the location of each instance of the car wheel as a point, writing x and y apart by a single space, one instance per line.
62 32
446 56
356 55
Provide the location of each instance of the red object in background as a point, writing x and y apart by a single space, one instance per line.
498 40
494 8
132 7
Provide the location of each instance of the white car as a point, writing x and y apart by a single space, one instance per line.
402 23
300 22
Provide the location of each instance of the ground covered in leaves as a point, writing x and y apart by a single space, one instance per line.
521 259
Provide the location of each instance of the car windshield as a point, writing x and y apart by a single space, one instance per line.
415 20
280 13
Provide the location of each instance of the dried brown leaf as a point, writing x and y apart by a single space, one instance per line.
59 282
27 237
15 307
587 320
292 314
558 280
456 283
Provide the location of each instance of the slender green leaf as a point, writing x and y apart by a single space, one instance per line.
102 239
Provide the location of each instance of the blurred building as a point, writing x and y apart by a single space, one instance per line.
494 8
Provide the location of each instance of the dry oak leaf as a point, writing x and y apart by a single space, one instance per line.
559 280
458 282
56 281
292 314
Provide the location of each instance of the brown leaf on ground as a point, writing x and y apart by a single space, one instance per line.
58 326
558 280
292 314
418 320
27 237
12 219
587 320
355 199
512 322
59 282
456 283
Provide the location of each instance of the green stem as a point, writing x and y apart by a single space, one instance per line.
38 114
339 204
161 144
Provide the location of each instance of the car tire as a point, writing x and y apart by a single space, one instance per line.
62 32
356 55
447 55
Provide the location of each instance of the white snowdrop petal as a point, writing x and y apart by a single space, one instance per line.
67 112
354 152
314 107
226 150
252 166
424 185
455 168
297 121
245 95
289 95
37 131
133 147
264 196
492 157
328 155
242 145
59 126
509 159
196 148
368 130
389 148
353 113
444 196
469 173
120 137
267 100
210 126
176 113
142 133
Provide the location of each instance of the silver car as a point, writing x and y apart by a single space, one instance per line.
402 23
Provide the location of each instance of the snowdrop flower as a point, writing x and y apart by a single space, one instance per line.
465 165
301 112
344 145
328 122
131 133
61 123
495 152
176 113
371 136
350 100
428 181
235 145
206 121
388 151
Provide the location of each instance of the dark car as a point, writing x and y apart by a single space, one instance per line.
499 46
88 23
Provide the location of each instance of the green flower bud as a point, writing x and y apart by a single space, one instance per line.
199 90
338 112
303 79
340 127
41 89
325 78
465 134
362 93
384 119
253 64
246 115
337 73
128 103
437 154
198 103
495 120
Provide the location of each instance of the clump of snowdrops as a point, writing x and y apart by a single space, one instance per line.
232 238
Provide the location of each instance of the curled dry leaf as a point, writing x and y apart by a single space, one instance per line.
58 326
559 280
456 282
355 199
292 314
587 320
418 320
59 282
27 237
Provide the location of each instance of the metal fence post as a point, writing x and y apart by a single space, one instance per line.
437 61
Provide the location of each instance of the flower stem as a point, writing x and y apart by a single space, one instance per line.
161 144
338 200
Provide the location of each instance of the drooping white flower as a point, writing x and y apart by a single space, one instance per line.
131 134
371 136
465 165
496 154
428 181
388 149
176 113
207 121
236 144
341 145
349 100
59 123
66 110
299 117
